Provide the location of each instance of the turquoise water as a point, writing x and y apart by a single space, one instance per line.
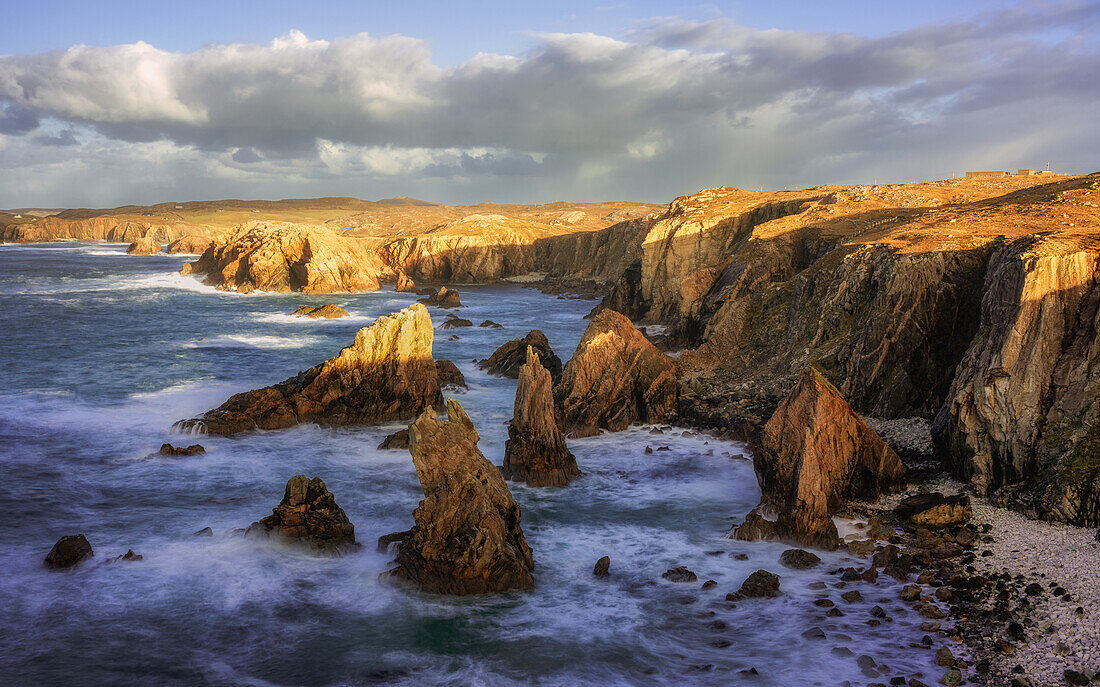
102 352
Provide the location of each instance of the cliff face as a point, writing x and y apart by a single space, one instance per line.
1022 420
94 229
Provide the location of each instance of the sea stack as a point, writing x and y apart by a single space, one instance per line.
467 537
507 360
387 374
535 452
813 455
308 515
615 378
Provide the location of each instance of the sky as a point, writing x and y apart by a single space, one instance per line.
108 103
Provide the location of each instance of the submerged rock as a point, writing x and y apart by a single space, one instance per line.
443 298
615 378
467 538
308 514
813 455
128 556
328 311
386 374
450 375
178 451
535 452
507 360
68 551
146 245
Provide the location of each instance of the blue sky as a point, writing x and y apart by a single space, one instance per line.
114 102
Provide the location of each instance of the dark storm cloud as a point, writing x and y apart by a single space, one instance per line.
246 155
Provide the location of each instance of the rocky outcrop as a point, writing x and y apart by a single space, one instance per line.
278 256
507 360
404 284
397 440
812 456
145 245
190 244
386 374
1022 419
328 311
91 229
308 515
467 537
450 375
181 451
68 551
615 378
443 298
535 452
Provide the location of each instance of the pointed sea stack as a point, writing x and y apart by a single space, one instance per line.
387 374
813 455
535 452
467 537
308 514
615 378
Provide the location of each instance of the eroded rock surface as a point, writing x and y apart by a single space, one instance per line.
145 245
467 538
308 515
507 360
615 378
812 456
386 374
535 452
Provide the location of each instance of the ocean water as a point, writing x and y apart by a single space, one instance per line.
102 352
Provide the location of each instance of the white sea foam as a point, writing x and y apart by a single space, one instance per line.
253 341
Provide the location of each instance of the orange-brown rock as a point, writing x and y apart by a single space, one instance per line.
404 284
145 245
328 311
191 244
535 452
443 298
812 456
450 375
387 374
507 360
279 256
308 515
616 378
397 440
467 538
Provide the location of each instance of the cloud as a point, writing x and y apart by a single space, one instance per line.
673 107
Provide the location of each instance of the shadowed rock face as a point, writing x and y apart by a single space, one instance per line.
507 360
467 537
146 245
813 455
450 375
535 452
386 374
276 256
615 378
308 514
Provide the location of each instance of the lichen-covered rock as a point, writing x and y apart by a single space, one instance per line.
615 378
68 551
329 311
278 256
386 374
813 455
443 298
190 244
308 515
146 245
450 375
507 360
467 538
535 452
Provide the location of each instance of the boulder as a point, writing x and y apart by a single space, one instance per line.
68 551
934 510
450 375
191 244
308 515
327 311
397 440
489 324
760 584
170 450
615 378
404 284
602 567
455 323
507 360
679 574
386 374
535 452
467 537
146 245
798 559
280 256
443 298
812 456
